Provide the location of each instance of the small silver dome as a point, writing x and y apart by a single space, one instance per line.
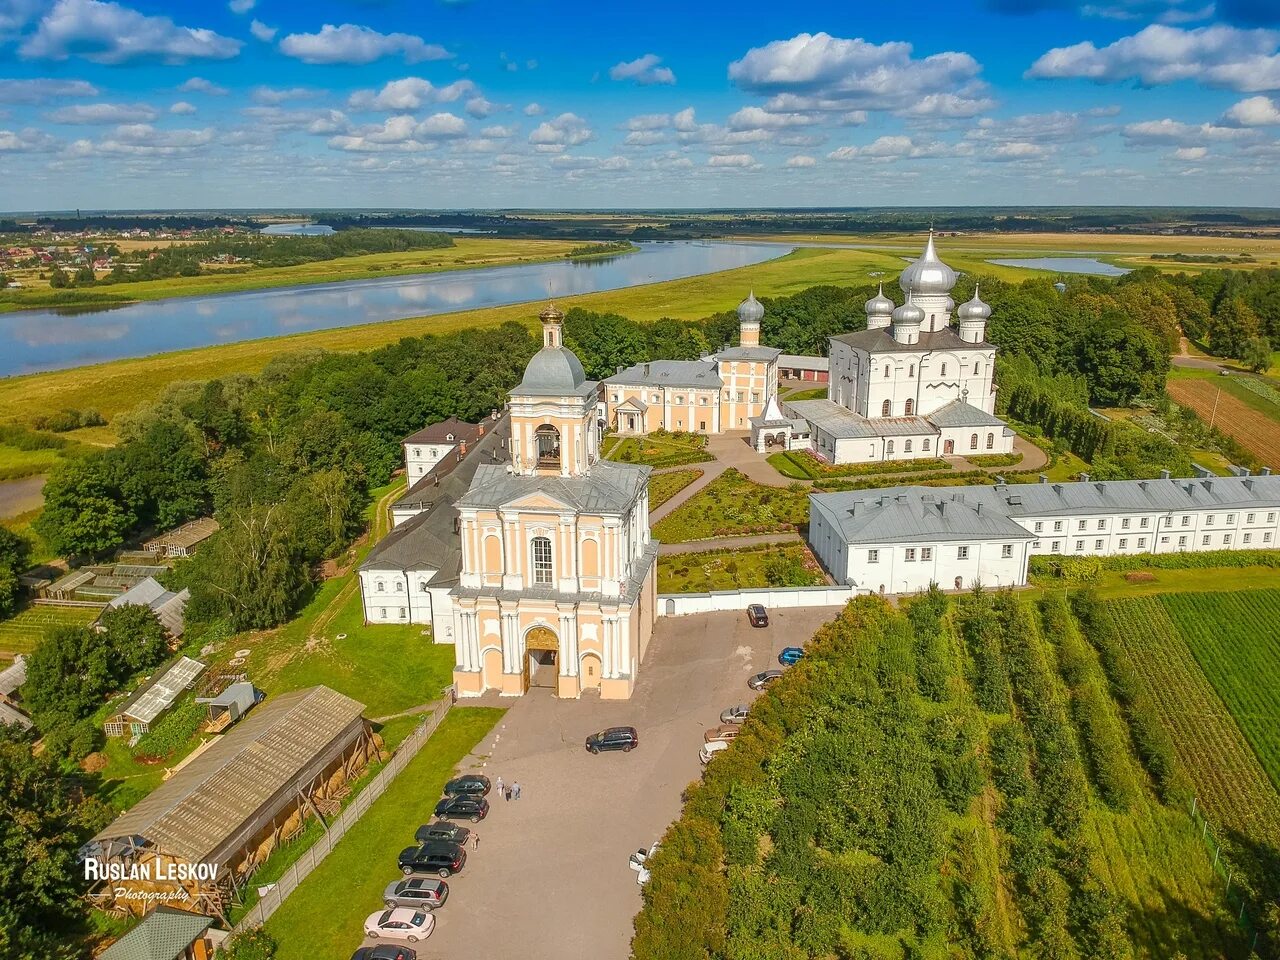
928 276
975 309
750 310
553 371
908 314
879 305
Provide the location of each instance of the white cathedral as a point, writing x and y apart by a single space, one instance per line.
912 385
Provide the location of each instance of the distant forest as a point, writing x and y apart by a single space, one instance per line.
694 224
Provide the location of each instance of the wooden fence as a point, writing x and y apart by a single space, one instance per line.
271 900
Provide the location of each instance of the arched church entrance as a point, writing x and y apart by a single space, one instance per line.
948 447
542 655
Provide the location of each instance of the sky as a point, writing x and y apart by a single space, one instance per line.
448 104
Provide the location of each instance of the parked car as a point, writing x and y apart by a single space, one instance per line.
762 680
638 859
734 714
615 738
463 807
385 951
401 923
790 655
758 615
709 750
439 857
443 830
472 784
725 732
423 893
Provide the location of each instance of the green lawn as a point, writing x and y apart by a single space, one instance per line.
658 450
736 569
816 393
664 486
15 463
1112 583
21 633
731 505
324 918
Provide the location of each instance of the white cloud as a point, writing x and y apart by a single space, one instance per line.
948 105
315 121
498 132
1254 112
1218 56
353 44
201 85
242 6
480 107
280 95
109 33
648 121
897 147
29 140
44 90
144 140
643 70
16 14
533 110
182 108
262 32
1187 134
754 118
644 138
800 161
1190 153
403 133
734 161
409 93
1058 127
566 130
1014 150
826 73
104 113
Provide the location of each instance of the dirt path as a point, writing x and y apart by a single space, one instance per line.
730 543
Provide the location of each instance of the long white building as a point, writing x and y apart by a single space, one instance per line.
902 539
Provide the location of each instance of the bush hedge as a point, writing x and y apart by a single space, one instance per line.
1083 570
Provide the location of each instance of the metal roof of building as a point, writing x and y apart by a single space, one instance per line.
163 934
844 424
959 413
201 812
749 353
690 374
12 716
13 676
157 695
451 430
804 363
611 488
879 341
187 535
554 372
907 513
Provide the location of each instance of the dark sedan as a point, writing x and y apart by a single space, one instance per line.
463 807
469 783
615 738
385 951
442 859
443 830
758 616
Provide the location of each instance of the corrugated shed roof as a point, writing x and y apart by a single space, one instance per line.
670 373
907 514
157 695
13 676
804 363
12 716
163 934
208 802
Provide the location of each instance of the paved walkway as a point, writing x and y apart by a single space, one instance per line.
735 450
730 543
710 470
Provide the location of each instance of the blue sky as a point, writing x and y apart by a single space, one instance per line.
525 103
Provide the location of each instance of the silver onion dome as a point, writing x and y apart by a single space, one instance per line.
750 310
928 275
908 314
879 305
974 309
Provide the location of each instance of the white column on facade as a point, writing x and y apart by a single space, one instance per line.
568 645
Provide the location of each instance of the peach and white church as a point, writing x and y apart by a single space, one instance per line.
530 553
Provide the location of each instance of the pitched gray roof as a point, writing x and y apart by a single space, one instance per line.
670 373
880 341
163 934
611 487
844 424
13 676
440 432
432 486
907 514
804 363
1150 496
749 353
958 413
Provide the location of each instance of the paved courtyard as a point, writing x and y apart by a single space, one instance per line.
550 879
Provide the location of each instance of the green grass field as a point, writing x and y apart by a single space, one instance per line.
658 449
664 486
21 633
731 505
15 463
730 569
324 918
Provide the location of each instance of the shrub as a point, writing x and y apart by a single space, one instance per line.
1083 570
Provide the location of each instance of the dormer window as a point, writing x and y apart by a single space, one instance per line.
449 436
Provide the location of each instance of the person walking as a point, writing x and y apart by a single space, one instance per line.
499 786
515 790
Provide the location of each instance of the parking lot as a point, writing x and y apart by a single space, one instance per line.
550 877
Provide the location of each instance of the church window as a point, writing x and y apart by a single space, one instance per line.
910 407
1006 550
911 370
399 587
739 396
886 408
542 561
422 586
380 587
679 398
886 371
888 448
383 613
962 553
944 369
925 445
402 615
417 451
977 368
906 447
991 441
547 440
973 442
703 399
926 553
755 396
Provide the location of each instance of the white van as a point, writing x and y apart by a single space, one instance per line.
709 750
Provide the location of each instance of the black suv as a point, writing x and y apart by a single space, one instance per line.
439 857
470 783
442 830
615 738
463 807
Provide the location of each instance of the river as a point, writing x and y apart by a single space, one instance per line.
55 339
